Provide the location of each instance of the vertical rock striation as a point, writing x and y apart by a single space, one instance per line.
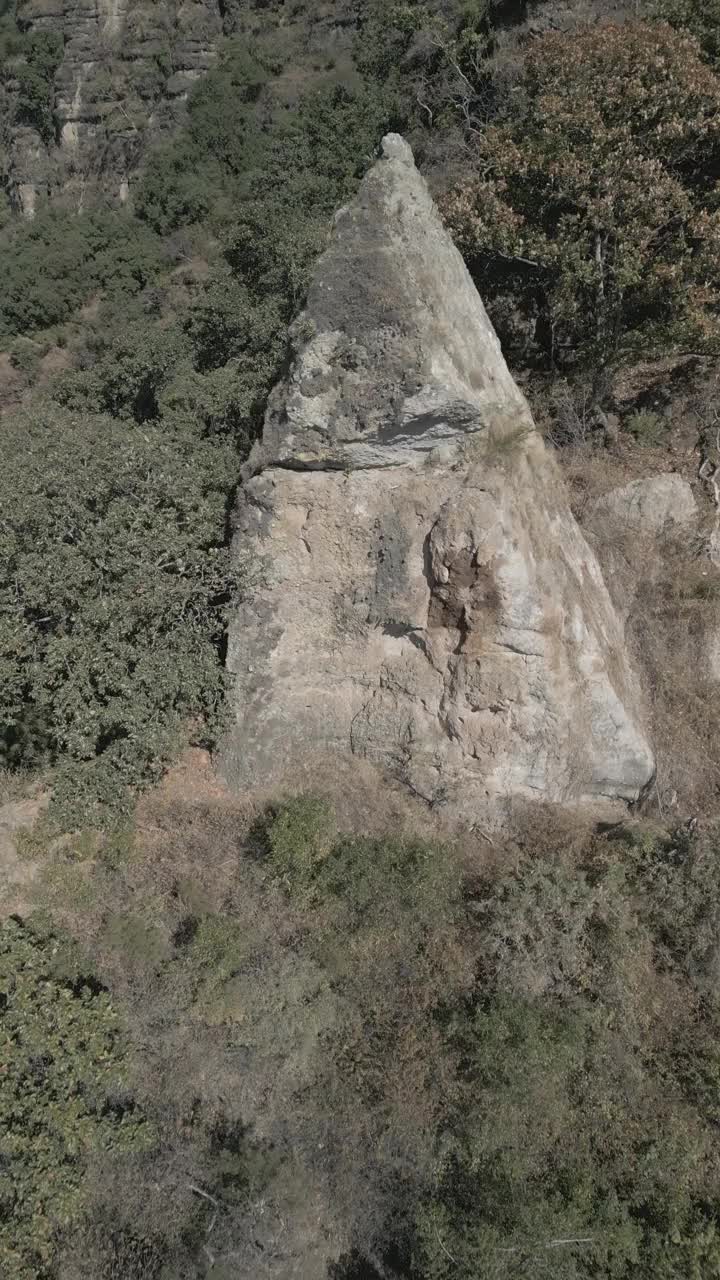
419 593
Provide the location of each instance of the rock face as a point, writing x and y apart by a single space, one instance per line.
126 70
654 505
419 593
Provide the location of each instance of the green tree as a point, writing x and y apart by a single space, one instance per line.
590 220
64 1096
54 264
35 77
114 582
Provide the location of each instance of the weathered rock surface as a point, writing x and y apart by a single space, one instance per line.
630 528
126 70
654 505
419 592
633 528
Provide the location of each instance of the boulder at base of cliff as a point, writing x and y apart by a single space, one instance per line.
418 593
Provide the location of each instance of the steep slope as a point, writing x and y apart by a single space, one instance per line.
425 598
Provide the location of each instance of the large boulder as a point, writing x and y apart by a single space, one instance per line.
633 527
418 592
654 505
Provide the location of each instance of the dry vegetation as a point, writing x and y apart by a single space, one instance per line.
335 1036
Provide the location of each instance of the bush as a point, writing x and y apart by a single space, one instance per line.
52 265
64 1095
35 76
489 1070
177 188
581 1138
647 427
590 223
113 588
699 18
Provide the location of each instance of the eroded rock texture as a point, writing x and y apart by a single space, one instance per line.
126 69
419 592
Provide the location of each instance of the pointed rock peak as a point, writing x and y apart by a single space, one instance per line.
394 147
395 354
428 609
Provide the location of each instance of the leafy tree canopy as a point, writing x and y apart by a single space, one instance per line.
115 578
64 1093
590 216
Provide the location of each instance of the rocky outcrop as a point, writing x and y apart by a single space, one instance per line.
631 528
417 590
654 506
126 70
649 532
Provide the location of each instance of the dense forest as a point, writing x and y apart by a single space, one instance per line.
323 1039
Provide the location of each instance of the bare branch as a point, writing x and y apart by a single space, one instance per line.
445 1251
205 1195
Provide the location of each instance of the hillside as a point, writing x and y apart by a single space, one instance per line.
359 640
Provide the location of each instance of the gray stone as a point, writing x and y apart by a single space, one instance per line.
419 593
109 91
653 505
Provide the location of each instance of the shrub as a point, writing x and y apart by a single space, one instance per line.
112 593
647 427
184 179
700 18
25 356
35 76
64 1094
581 1138
589 221
52 265
301 836
177 188
474 1064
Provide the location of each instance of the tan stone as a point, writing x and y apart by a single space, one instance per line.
418 591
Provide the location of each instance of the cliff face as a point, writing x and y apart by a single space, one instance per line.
424 598
125 71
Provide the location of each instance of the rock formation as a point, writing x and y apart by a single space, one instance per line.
655 505
125 73
631 527
417 590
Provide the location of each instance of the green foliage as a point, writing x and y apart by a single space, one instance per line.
590 224
54 264
310 858
25 356
582 1135
12 41
699 18
36 74
128 369
112 594
300 838
219 120
647 427
178 187
496 1072
183 179
63 1098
